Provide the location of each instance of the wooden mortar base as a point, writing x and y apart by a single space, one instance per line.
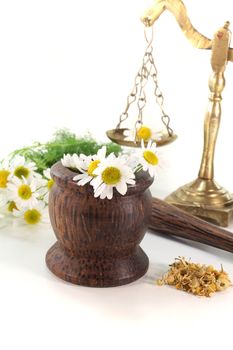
101 272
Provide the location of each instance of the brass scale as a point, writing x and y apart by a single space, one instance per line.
203 197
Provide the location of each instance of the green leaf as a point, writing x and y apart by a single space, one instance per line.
63 142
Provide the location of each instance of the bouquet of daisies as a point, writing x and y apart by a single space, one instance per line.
23 191
104 173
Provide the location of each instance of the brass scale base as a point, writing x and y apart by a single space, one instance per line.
203 197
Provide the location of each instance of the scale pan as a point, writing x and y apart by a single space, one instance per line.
117 136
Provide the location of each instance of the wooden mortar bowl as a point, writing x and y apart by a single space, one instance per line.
98 239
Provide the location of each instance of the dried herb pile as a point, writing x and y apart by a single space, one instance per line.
198 279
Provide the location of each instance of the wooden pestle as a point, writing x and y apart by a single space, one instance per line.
169 220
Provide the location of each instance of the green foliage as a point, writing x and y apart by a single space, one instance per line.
63 142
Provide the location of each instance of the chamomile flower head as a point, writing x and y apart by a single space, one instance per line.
148 158
70 161
112 173
21 168
4 174
145 133
24 193
33 215
87 166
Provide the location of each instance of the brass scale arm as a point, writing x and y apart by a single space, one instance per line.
203 197
178 9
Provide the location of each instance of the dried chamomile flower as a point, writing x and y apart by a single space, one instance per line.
198 279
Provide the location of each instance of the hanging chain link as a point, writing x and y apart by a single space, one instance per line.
143 74
159 96
148 69
139 84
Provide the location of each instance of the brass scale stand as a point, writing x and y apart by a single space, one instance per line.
203 197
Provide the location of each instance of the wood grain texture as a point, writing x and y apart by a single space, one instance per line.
97 240
169 220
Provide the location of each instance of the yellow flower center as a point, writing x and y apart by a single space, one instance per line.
11 206
25 192
92 166
50 184
3 178
111 175
144 133
150 157
21 171
32 216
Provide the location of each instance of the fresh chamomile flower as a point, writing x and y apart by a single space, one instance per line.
32 216
7 207
20 168
4 179
49 182
70 161
112 173
144 133
4 174
24 193
148 158
87 166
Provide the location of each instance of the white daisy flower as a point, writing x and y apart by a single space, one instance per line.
4 175
49 182
144 133
70 161
24 193
88 165
32 216
20 168
148 158
4 180
112 173
7 206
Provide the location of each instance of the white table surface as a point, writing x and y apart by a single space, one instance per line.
40 311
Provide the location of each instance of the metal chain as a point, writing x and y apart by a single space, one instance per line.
148 69
144 75
139 84
159 96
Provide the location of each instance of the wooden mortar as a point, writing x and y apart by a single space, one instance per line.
98 239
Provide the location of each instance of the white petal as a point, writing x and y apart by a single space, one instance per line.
47 174
151 171
103 195
111 157
79 177
145 167
130 181
142 144
96 182
122 188
100 189
101 153
109 192
84 181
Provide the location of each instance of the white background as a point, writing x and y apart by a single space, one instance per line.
71 64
